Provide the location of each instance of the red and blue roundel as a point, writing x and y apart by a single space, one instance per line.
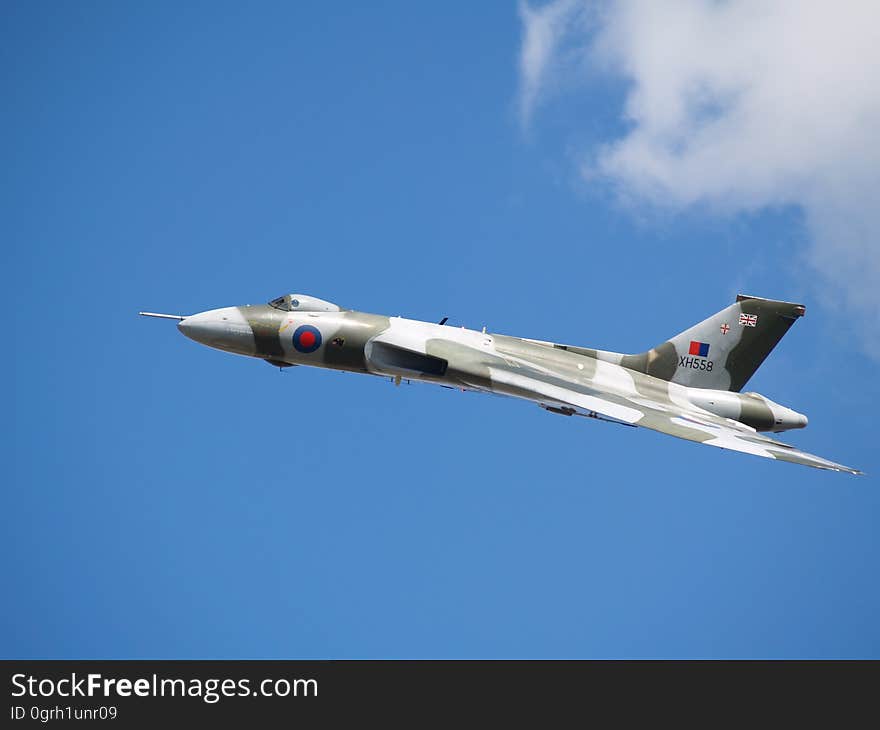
307 338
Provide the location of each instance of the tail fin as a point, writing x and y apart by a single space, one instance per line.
723 351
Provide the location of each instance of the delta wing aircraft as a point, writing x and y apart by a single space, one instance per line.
689 386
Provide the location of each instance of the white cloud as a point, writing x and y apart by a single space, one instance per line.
737 105
544 29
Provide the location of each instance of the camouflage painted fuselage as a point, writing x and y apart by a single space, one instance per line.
686 387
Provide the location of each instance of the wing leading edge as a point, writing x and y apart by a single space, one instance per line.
698 426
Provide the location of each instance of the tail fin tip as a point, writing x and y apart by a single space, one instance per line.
798 310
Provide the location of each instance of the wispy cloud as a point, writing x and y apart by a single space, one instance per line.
545 29
736 106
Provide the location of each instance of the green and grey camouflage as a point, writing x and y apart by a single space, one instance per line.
689 386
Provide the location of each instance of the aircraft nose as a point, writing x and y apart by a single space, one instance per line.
200 327
208 328
223 329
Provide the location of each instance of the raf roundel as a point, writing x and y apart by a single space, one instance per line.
307 338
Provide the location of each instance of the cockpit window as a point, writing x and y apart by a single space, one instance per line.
282 303
302 303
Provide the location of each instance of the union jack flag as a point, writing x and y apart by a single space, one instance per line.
748 320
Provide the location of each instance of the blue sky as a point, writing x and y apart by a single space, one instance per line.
167 500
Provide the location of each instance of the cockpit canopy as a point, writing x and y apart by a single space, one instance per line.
302 303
